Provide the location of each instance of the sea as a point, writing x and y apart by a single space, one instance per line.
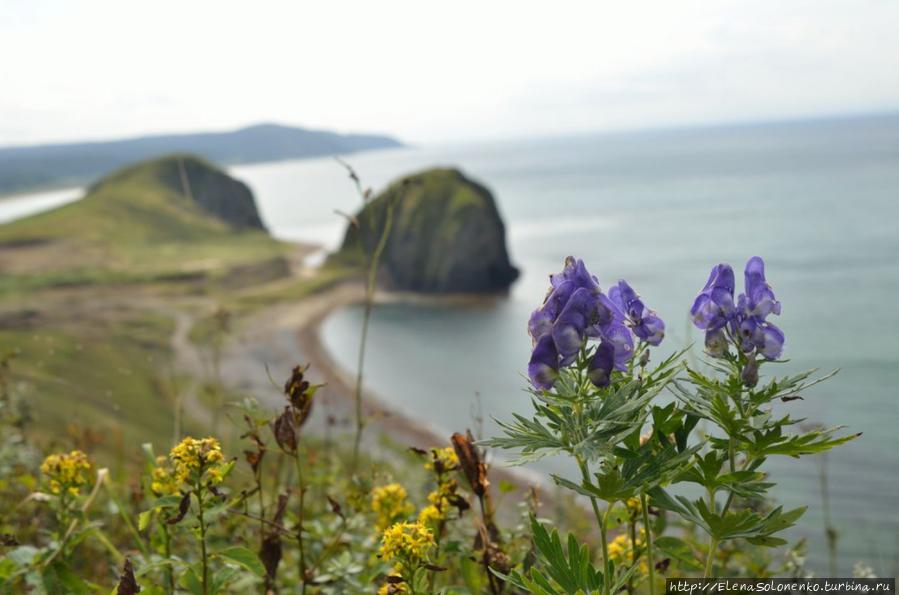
817 199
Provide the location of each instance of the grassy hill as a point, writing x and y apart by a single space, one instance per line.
143 223
97 296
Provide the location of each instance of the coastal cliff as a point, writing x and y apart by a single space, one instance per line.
197 180
173 217
447 236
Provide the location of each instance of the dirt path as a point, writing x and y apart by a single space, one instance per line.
188 359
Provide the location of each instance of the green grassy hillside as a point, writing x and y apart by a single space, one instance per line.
142 223
95 295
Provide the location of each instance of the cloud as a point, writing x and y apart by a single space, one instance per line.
431 72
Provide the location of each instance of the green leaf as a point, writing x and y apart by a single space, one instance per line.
568 567
221 579
767 541
679 550
143 519
59 578
244 557
191 582
471 574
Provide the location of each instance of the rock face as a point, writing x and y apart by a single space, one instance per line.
209 187
447 236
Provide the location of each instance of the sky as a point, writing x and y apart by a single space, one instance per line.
432 72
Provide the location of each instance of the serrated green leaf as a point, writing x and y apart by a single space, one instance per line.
244 557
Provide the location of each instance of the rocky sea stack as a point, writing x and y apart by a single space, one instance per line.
447 236
196 179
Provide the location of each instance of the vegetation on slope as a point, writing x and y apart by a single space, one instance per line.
156 220
447 235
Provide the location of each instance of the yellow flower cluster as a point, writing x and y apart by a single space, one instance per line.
431 516
394 589
163 482
440 501
390 504
67 472
408 542
633 506
621 551
441 496
192 457
444 459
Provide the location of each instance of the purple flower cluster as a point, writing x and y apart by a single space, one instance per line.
574 311
745 320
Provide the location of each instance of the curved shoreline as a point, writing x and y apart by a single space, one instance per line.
341 383
384 419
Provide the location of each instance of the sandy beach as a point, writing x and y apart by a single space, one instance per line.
279 337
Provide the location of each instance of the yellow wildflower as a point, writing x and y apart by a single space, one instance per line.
390 504
633 506
443 494
443 459
431 516
408 542
192 457
162 482
621 551
393 589
67 472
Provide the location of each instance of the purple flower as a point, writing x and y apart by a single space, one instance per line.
601 365
543 369
714 305
772 345
760 297
570 328
753 307
714 310
644 322
575 271
619 338
574 311
541 321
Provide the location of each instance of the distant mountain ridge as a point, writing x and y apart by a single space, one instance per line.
23 168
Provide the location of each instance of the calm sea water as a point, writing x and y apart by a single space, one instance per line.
818 200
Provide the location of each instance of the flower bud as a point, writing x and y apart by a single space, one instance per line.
644 358
285 433
716 343
750 373
471 461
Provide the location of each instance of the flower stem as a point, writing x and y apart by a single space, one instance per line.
632 532
167 552
649 553
302 488
202 521
713 545
733 468
370 286
602 527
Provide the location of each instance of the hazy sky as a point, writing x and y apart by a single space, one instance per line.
436 71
